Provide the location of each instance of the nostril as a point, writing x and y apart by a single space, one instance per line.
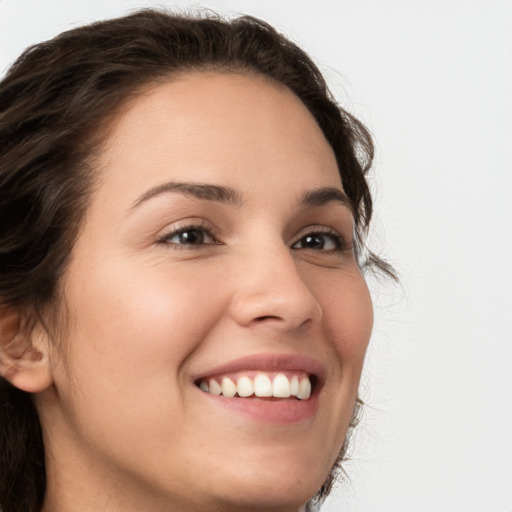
266 317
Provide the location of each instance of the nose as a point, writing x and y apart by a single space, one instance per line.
269 290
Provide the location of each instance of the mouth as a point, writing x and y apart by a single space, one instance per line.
260 384
275 388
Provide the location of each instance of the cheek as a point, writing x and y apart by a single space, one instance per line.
348 317
135 324
132 332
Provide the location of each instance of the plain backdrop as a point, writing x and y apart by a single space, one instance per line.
433 82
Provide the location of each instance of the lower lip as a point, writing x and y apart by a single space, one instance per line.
280 411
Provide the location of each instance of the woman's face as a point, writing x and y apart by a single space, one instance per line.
216 251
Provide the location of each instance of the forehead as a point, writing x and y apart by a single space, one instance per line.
234 129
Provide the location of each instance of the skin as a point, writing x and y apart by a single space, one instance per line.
125 426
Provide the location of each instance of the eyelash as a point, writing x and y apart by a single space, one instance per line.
206 231
314 231
200 227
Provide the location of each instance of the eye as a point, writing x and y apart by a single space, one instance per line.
192 236
320 241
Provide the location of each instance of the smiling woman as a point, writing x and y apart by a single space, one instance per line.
184 316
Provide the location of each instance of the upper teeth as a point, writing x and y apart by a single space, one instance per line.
260 385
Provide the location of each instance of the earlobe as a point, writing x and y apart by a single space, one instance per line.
22 363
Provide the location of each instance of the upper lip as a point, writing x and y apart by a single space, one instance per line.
269 363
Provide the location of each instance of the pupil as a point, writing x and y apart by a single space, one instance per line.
314 241
191 237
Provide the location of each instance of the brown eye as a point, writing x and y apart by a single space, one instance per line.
319 242
193 236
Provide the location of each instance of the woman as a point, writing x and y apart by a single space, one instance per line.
184 316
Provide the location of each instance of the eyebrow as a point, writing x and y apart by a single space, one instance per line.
223 194
198 190
324 195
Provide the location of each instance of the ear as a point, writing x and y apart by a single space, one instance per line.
23 363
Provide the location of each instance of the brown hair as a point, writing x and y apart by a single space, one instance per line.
54 101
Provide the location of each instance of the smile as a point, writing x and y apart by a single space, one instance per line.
260 384
272 388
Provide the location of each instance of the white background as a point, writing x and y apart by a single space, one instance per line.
433 81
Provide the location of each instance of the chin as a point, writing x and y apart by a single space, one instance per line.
266 498
271 488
